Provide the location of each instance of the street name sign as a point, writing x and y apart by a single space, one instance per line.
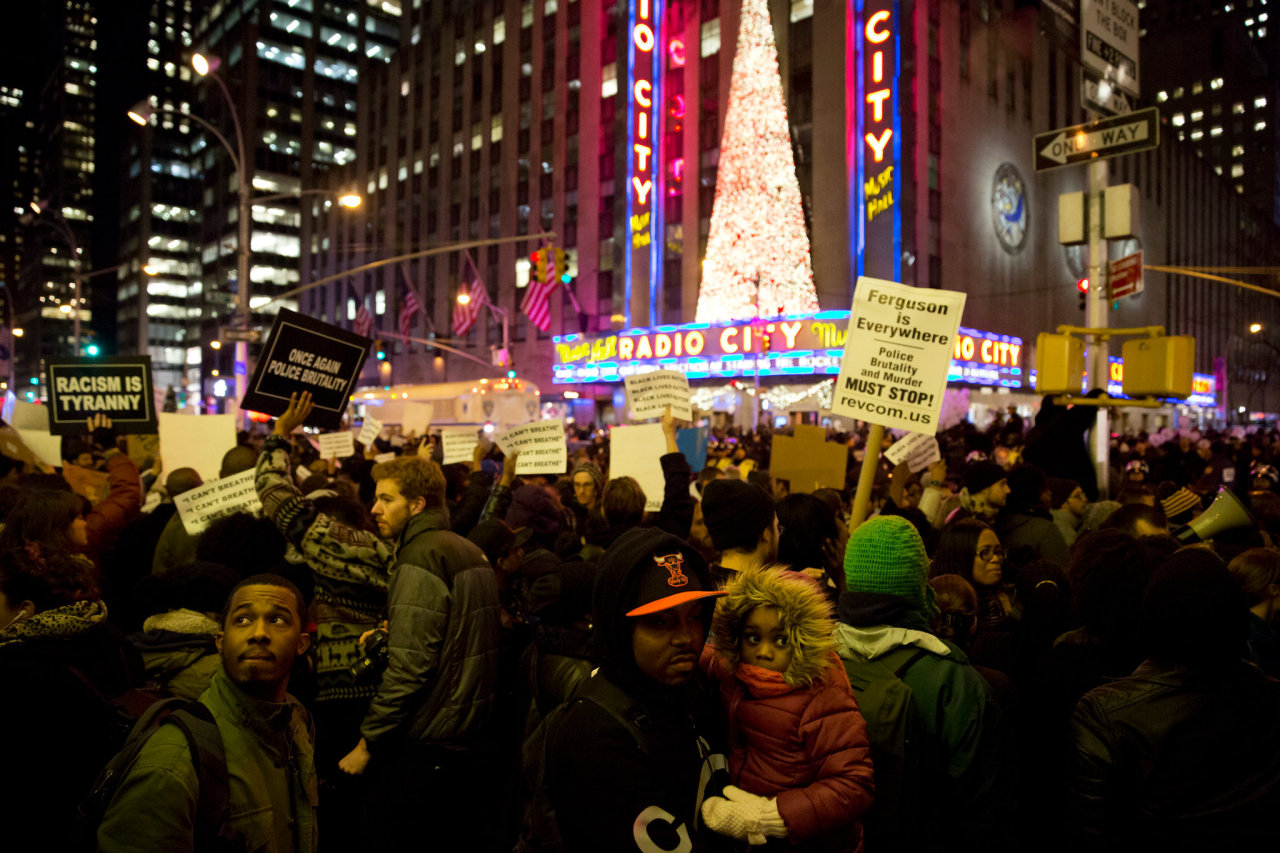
1102 96
1109 41
1125 275
252 336
1107 137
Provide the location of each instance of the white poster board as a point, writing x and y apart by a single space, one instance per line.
894 369
416 418
32 416
337 445
918 450
542 447
199 507
384 457
649 394
47 447
196 441
371 429
459 445
634 451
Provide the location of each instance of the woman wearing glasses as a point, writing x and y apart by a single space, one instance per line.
971 549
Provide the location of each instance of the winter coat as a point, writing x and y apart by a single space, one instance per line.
272 786
103 523
179 652
350 568
968 761
175 547
1068 524
795 735
55 669
1174 759
1029 534
608 793
443 611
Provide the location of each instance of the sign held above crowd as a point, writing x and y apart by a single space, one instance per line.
116 386
541 445
304 354
651 393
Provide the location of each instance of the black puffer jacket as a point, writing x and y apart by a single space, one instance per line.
442 607
1174 759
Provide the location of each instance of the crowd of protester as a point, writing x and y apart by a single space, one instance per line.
401 654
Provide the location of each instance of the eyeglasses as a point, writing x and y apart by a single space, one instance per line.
991 553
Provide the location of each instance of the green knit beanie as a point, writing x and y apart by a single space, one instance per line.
886 555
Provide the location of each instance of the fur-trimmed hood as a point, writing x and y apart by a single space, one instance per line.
804 611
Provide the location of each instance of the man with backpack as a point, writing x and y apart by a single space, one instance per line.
940 745
235 771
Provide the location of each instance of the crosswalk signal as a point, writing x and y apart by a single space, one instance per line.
1083 287
379 350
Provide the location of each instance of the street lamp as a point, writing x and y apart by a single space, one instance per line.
1254 328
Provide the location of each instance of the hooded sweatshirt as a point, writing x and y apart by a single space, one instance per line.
626 765
796 735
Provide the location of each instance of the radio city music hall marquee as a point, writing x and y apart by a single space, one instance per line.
799 345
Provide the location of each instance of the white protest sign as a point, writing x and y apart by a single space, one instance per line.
542 447
370 431
634 451
894 368
30 416
196 441
336 445
649 394
917 449
384 457
47 447
201 506
459 445
416 418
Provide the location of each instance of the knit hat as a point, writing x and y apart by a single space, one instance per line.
590 469
532 507
1096 515
736 513
981 475
1182 501
886 555
1060 488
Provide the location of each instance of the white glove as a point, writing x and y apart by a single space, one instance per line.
744 816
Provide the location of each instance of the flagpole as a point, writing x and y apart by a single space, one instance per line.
500 313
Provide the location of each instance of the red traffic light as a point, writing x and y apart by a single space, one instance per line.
1083 285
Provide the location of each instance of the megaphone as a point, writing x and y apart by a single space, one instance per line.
1224 513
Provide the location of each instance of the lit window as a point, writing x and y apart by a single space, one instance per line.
1260 125
1215 130
1196 115
1197 87
1178 92
609 86
711 37
1179 119
1197 134
499 30
1260 102
1161 97
1215 83
801 9
1237 170
1237 150
1237 108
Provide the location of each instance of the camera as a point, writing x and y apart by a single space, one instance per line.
373 660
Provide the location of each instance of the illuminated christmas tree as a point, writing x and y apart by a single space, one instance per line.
757 262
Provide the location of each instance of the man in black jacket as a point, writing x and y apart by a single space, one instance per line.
425 739
628 758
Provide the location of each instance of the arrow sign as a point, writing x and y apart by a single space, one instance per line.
1125 276
1106 137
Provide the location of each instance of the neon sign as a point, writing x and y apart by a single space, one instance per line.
644 98
873 137
801 344
1204 387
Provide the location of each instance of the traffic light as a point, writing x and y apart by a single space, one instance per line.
538 265
1083 287
764 342
561 265
379 350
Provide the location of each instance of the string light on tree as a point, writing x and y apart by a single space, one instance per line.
758 261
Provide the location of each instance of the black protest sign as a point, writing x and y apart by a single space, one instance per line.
116 386
304 354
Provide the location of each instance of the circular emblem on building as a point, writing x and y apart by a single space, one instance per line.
1009 208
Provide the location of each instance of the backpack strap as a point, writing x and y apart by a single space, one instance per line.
902 659
630 714
208 756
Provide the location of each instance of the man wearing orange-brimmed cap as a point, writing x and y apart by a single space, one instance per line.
627 760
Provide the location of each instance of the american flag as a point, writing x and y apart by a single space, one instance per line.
364 323
411 306
537 299
465 316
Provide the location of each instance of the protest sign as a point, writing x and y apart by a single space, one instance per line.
14 446
918 450
634 451
369 432
33 416
196 441
116 386
337 445
42 444
542 447
649 394
87 483
416 418
304 354
894 368
692 442
201 506
807 461
384 457
458 444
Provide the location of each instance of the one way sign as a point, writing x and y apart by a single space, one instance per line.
1123 134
